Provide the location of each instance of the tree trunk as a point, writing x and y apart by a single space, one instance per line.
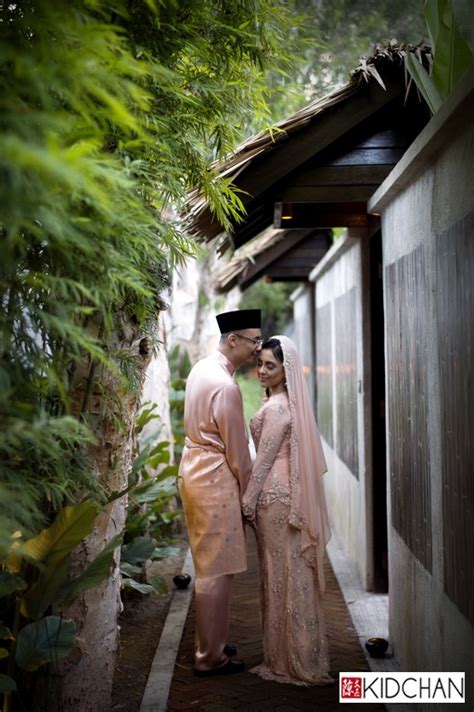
190 320
83 682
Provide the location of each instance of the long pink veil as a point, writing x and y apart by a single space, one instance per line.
308 510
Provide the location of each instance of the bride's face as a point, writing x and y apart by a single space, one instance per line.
270 371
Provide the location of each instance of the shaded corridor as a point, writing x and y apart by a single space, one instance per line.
247 692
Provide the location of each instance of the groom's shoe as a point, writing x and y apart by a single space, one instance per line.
230 650
230 668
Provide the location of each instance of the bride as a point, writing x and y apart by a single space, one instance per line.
285 503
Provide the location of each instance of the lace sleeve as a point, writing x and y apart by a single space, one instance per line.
276 421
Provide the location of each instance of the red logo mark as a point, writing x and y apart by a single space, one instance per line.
351 687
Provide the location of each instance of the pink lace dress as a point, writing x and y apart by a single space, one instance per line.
295 648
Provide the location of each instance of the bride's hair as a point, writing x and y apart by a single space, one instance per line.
275 347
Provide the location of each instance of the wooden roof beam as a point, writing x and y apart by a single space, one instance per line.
320 215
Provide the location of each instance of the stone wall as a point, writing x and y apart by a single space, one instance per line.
428 252
343 394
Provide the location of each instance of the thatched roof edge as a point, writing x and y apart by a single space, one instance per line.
369 70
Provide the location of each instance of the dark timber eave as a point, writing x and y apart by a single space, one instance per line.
327 159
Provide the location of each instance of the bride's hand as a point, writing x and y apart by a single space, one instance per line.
248 513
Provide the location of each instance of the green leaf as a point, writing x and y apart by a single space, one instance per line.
10 583
137 586
127 569
169 471
3 653
463 13
5 633
44 641
145 416
163 445
424 82
168 517
159 584
43 592
94 573
155 490
451 53
138 550
69 528
432 11
54 545
160 459
7 684
165 552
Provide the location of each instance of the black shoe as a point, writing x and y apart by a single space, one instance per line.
230 650
230 668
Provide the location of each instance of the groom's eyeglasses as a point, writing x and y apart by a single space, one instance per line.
255 341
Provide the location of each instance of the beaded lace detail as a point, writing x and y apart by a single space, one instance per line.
285 501
270 429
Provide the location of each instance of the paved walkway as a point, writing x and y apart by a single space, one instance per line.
249 693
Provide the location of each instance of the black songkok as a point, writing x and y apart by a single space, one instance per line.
240 319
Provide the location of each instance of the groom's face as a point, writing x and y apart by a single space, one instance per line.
248 344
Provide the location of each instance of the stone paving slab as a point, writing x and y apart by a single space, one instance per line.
249 693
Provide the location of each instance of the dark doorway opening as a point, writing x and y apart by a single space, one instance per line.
379 473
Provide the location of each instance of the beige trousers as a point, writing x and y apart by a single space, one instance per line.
212 620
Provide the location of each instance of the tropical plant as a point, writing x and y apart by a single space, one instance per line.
273 299
91 162
332 38
450 28
151 510
109 113
180 366
35 588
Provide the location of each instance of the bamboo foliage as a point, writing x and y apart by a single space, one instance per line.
109 113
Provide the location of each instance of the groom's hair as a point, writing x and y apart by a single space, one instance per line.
223 339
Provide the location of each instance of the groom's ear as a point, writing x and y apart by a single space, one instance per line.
231 339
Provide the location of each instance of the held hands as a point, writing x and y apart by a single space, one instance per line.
248 512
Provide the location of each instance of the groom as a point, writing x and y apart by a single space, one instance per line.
214 471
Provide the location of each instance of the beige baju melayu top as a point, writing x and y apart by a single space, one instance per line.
215 467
